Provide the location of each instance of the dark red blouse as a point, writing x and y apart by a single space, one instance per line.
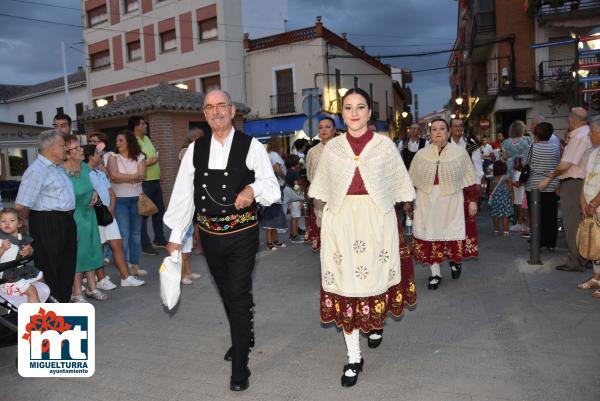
357 187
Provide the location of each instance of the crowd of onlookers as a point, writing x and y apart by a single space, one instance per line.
69 180
60 196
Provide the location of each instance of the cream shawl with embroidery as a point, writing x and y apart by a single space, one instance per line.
454 166
380 166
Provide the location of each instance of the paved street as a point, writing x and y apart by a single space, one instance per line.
504 331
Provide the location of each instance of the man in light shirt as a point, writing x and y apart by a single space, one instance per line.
571 172
469 144
221 178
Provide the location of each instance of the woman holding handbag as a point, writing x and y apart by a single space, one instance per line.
542 158
127 168
589 201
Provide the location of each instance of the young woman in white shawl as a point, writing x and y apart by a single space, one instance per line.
360 177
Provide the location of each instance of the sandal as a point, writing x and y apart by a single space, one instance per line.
78 299
97 295
596 294
589 285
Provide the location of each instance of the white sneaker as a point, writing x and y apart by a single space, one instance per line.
131 281
516 227
195 275
186 280
105 284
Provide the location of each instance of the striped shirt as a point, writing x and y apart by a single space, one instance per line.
46 187
544 160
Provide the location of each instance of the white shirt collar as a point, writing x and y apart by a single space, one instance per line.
228 139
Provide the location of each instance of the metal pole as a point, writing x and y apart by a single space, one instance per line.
534 249
65 79
577 102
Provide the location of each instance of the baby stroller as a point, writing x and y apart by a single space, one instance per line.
8 309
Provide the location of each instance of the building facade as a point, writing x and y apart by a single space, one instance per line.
133 45
26 110
496 73
279 67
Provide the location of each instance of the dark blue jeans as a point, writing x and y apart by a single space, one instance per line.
153 191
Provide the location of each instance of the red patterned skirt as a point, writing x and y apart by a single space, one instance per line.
313 231
430 252
370 313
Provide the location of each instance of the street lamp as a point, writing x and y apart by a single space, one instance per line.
459 100
404 114
101 102
181 85
452 116
342 91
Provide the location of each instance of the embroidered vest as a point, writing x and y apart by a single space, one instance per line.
216 190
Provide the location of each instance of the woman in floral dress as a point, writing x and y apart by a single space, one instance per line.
360 177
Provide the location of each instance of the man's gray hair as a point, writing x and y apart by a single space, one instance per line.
47 139
227 95
595 123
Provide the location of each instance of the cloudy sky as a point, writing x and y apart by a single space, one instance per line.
30 51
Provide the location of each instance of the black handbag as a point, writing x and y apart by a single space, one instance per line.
526 172
102 214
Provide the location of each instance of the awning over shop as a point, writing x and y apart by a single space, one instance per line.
274 126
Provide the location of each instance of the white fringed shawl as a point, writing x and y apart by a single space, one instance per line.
380 166
455 170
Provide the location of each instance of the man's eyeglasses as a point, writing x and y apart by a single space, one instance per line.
211 108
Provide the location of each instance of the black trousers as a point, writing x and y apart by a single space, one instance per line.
55 250
230 259
548 218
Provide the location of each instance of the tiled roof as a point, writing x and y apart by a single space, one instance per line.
10 93
162 97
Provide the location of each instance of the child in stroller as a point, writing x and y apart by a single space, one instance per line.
19 282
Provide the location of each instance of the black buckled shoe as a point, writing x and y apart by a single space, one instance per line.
374 342
356 368
434 282
455 269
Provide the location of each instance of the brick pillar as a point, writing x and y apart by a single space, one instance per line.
161 127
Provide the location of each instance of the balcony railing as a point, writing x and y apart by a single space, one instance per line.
547 8
560 69
486 84
283 103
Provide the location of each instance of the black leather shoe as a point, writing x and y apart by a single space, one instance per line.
434 282
239 385
374 343
455 269
227 356
356 368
